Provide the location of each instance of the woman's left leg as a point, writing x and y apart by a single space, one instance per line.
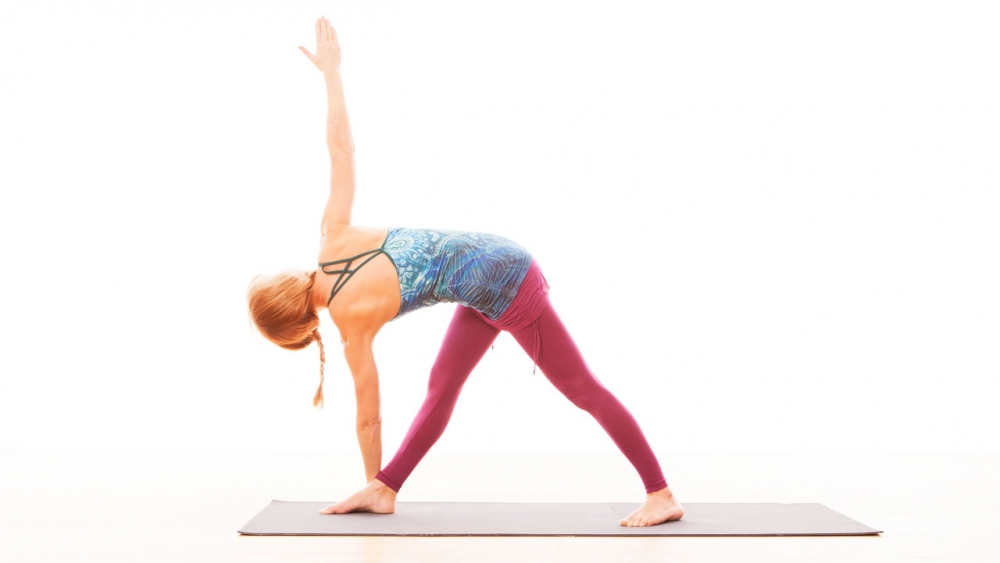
466 342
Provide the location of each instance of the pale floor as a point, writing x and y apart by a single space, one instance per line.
163 505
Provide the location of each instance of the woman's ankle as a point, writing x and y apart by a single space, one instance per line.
665 492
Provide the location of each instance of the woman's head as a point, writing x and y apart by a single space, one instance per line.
281 307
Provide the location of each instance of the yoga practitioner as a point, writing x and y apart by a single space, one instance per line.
368 277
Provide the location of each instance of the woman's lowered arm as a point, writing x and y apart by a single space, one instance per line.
361 361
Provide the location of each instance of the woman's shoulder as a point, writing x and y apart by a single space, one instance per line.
343 241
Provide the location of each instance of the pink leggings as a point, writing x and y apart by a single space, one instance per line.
546 340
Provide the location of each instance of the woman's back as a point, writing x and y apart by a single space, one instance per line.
353 294
480 270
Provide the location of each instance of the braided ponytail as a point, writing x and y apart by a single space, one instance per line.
318 398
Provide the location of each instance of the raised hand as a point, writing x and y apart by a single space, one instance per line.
327 57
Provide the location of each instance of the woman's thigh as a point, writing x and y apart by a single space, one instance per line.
465 343
554 351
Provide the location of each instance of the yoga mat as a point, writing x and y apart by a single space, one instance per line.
286 518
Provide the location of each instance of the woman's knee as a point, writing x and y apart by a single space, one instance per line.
585 394
445 381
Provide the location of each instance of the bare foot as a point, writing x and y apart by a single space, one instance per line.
659 507
375 497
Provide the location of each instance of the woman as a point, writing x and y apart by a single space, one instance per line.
367 277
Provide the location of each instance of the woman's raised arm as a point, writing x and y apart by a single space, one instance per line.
338 128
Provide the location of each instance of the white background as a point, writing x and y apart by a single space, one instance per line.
769 225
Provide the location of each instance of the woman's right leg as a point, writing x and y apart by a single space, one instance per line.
563 365
465 343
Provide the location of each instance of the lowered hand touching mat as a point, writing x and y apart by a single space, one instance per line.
286 518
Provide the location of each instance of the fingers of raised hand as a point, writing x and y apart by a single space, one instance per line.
325 31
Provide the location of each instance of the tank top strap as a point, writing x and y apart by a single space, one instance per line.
344 274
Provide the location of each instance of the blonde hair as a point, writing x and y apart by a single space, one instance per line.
281 309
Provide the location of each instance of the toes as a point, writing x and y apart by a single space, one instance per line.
340 508
636 521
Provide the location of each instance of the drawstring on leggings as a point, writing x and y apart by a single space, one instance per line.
538 346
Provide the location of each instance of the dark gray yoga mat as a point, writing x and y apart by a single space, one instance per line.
287 518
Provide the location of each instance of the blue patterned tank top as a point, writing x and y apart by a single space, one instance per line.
479 270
